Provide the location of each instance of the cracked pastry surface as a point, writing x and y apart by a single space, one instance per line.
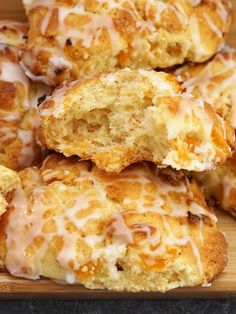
120 118
145 229
76 39
19 119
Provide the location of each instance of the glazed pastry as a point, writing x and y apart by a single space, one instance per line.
146 229
219 185
214 82
19 119
132 115
13 33
9 181
77 39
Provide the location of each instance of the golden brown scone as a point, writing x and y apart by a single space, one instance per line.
19 119
13 33
120 118
219 185
9 181
215 82
144 229
76 39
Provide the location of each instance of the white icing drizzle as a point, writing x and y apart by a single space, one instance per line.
88 33
200 48
14 116
14 126
189 110
7 134
84 207
212 25
188 106
195 2
222 11
26 155
11 72
206 83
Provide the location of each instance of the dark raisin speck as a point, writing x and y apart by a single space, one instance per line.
193 218
59 70
190 178
68 42
41 99
119 267
89 166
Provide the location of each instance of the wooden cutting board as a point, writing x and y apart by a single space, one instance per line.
17 288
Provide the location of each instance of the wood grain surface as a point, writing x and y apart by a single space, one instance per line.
17 288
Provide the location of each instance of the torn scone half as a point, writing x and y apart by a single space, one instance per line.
120 118
145 229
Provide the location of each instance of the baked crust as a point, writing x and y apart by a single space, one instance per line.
146 229
120 118
219 185
76 39
215 82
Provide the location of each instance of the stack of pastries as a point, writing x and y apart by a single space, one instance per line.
117 124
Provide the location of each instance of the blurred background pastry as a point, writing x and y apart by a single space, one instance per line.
215 82
13 33
75 39
19 120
